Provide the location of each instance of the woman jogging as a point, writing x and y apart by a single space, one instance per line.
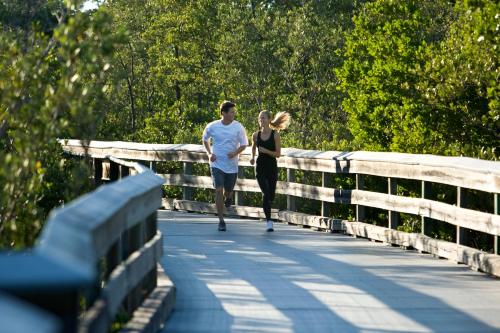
268 142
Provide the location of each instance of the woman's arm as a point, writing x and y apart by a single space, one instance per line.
254 148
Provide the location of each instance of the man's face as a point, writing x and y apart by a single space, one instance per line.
229 115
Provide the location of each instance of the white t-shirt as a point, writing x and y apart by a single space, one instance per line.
225 139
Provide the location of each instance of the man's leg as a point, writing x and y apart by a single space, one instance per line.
229 182
228 198
218 180
219 203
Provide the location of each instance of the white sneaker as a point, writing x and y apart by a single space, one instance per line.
269 226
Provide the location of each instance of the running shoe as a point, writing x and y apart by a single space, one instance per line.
269 226
222 226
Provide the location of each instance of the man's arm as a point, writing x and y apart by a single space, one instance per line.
208 149
236 152
243 143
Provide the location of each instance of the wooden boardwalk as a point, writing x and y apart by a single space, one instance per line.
299 280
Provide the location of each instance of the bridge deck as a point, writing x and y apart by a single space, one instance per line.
299 280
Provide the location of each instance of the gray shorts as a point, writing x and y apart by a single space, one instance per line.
222 179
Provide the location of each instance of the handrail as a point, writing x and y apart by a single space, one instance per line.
105 244
465 172
460 172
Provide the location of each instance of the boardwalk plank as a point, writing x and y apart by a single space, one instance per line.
298 280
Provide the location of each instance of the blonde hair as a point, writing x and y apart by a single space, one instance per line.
280 121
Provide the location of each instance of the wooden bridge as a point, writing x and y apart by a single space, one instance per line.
98 256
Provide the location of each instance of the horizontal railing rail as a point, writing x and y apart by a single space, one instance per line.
461 173
103 246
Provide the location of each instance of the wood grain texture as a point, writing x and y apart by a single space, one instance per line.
127 275
457 171
467 218
474 258
205 207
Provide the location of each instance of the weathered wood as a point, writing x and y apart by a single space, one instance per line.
114 171
462 234
168 203
112 228
247 185
81 236
187 192
290 200
393 215
326 179
457 253
461 254
96 319
239 194
360 210
496 240
456 171
127 276
97 171
425 221
204 207
467 218
319 222
426 208
113 257
124 171
155 309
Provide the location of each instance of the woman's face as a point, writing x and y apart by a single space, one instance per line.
263 119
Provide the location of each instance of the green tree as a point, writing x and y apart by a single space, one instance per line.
48 90
460 84
382 53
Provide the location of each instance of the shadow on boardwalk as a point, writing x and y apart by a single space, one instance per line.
296 280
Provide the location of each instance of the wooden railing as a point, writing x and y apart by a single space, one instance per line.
463 174
103 246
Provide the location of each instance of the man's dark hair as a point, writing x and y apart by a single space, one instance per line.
226 105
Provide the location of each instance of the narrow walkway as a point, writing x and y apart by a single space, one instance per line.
299 280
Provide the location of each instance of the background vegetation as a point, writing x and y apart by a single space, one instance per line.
384 75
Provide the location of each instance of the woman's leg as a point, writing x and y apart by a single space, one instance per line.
272 179
266 194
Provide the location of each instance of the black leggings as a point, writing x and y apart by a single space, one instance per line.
267 182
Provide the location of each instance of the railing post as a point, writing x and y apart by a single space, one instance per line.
152 166
290 200
150 232
496 248
187 192
97 171
392 190
114 171
113 257
425 221
136 236
238 195
326 179
461 232
124 171
360 210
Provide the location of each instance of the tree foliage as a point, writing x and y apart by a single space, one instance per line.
409 76
422 76
51 86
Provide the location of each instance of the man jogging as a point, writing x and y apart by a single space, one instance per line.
229 139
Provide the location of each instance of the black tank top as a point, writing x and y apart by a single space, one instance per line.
265 161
